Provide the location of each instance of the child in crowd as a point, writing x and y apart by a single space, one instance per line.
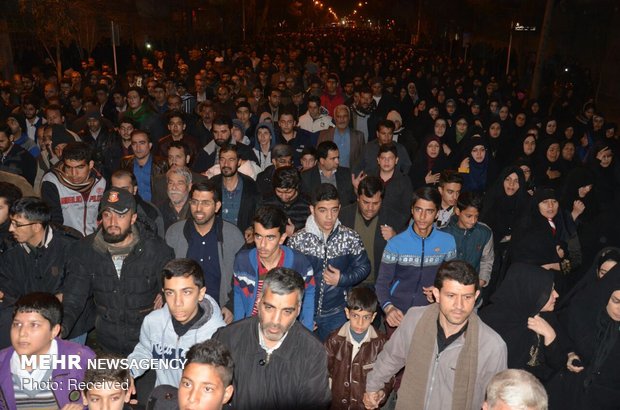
352 351
37 383
106 388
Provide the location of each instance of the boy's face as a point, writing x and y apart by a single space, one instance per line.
360 319
468 217
106 399
182 297
449 194
202 388
32 334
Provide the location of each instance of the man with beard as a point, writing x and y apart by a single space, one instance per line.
119 268
222 135
175 207
14 158
143 164
278 363
73 189
210 241
239 192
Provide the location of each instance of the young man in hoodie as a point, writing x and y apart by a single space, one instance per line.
188 317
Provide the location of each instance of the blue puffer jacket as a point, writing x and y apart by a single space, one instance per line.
344 250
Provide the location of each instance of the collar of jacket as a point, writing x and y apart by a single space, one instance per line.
313 228
345 332
218 223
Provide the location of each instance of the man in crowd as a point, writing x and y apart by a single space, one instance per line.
350 142
176 207
315 119
15 159
143 164
287 196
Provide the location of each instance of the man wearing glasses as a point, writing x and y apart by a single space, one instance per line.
251 265
210 241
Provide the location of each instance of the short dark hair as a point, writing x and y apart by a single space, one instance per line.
139 131
180 145
386 124
281 150
123 173
33 209
389 147
427 194
271 217
10 193
325 192
6 130
45 304
287 111
284 281
175 114
139 90
227 147
370 185
183 267
223 120
456 270
106 376
207 186
362 298
127 120
286 178
212 352
322 150
449 176
243 104
308 150
469 199
77 151
315 99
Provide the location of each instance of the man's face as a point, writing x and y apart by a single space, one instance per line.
32 334
468 217
27 83
341 117
22 229
456 302
369 206
77 171
326 214
202 207
125 130
76 103
229 163
313 109
243 114
267 241
105 397
331 85
264 136
50 91
182 297
385 135
30 111
174 103
221 134
331 162
5 142
287 124
116 227
140 145
176 126
365 100
202 388
160 95
94 124
348 88
124 182
548 208
102 97
4 210
449 194
424 213
307 161
13 125
223 94
177 157
178 188
387 161
286 195
134 100
119 100
274 98
277 314
377 89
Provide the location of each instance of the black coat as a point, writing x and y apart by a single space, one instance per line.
297 212
121 303
311 180
249 200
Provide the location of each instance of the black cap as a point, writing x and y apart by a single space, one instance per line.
117 200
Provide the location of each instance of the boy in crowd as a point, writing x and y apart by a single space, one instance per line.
450 184
34 332
189 316
352 351
106 388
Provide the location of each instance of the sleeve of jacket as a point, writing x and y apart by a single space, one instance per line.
307 309
359 265
143 349
49 193
486 260
239 310
450 247
393 356
385 276
77 289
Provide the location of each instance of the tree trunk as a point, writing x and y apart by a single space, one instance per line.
545 32
58 61
6 52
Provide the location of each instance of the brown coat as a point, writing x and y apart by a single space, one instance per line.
348 378
357 143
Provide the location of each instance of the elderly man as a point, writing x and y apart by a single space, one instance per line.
176 207
350 142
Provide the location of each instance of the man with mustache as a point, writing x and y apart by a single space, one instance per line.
176 207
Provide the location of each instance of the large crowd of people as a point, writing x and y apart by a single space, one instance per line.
313 223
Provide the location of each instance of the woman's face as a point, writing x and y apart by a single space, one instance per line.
551 127
535 107
613 306
529 145
494 130
434 113
553 152
606 267
511 184
403 93
461 126
422 105
606 158
569 132
550 305
478 153
568 152
548 208
440 128
432 149
503 113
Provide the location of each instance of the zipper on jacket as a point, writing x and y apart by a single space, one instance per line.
432 381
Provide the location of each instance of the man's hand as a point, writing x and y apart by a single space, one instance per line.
605 151
158 302
552 174
431 178
372 400
569 364
482 283
578 208
387 232
227 315
290 228
248 234
393 316
428 292
356 179
331 275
